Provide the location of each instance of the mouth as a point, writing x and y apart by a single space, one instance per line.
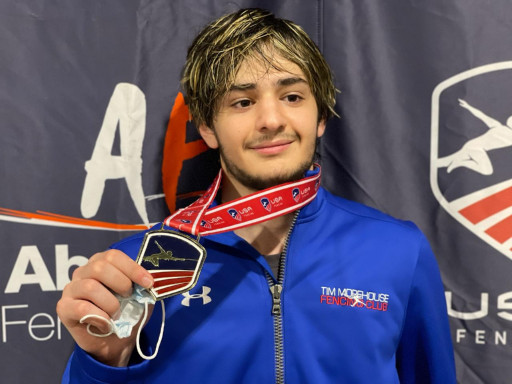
271 147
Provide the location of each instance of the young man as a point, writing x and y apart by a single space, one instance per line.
317 290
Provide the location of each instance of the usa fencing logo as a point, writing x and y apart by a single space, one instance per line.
296 194
205 224
234 214
266 204
471 151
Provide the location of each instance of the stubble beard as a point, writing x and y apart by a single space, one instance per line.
259 183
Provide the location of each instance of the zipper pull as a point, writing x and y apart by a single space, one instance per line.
276 290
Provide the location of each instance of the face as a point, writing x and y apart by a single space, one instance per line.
266 126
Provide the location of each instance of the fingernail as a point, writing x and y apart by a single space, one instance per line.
147 282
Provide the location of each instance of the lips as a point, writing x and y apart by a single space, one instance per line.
271 148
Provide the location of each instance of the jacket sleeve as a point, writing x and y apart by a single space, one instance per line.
83 369
425 351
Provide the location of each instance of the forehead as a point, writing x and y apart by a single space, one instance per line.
255 69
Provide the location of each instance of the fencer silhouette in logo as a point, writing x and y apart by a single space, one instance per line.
205 224
203 295
234 214
163 255
296 194
266 204
473 182
473 154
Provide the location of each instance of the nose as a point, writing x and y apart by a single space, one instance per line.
270 115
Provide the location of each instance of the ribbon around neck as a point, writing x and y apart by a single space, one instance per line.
200 219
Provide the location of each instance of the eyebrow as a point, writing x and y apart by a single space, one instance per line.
291 81
284 82
242 87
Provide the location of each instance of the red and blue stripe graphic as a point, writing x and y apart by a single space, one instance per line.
492 204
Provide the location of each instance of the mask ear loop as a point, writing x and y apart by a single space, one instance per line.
92 333
111 331
162 326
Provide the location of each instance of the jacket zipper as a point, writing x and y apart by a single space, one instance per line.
276 290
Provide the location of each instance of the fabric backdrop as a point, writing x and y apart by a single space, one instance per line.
86 93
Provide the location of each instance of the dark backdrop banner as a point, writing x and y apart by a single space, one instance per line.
86 94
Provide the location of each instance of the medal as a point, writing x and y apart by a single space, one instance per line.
173 259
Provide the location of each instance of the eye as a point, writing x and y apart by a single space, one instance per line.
293 98
243 103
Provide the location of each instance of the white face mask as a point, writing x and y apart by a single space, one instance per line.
131 311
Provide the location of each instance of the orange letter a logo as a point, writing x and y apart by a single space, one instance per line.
177 150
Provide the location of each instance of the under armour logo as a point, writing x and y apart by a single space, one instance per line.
203 295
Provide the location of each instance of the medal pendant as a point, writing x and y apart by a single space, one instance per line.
173 259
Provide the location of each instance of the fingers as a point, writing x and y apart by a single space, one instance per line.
115 270
72 312
91 288
92 291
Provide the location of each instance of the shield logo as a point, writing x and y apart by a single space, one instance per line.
173 259
471 151
234 214
205 224
296 194
266 203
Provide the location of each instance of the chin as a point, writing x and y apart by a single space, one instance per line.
269 173
267 180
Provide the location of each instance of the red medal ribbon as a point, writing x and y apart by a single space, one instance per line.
255 208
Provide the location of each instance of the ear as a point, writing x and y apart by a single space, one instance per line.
321 128
208 136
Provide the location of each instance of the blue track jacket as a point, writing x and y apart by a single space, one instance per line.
361 303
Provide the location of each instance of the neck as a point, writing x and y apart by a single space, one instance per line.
268 237
232 189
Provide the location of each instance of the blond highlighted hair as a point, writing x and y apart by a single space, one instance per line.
217 52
